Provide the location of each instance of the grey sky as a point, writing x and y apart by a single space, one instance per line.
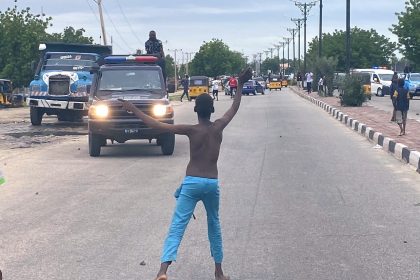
246 26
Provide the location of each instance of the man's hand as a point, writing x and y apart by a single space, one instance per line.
128 106
245 76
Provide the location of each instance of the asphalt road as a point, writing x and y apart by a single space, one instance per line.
302 197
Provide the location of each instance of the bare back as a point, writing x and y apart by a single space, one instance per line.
205 140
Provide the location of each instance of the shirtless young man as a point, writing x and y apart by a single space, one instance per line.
201 181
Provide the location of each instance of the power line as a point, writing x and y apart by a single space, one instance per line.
129 25
115 28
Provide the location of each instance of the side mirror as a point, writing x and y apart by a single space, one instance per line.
94 69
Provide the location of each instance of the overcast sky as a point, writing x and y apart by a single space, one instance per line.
246 26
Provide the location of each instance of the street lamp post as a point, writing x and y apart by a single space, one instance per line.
283 44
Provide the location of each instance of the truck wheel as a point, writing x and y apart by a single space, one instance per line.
95 143
36 115
379 93
167 142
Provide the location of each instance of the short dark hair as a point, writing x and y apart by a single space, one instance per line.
401 82
204 106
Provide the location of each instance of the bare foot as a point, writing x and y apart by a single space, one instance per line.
162 277
222 277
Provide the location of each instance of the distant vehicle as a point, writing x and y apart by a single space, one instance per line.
198 85
413 81
275 82
62 80
261 81
140 80
378 79
6 88
252 87
364 79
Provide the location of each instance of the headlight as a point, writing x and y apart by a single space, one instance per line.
100 111
159 110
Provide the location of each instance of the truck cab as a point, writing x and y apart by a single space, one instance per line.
139 80
62 81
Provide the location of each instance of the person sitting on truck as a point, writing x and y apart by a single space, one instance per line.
154 47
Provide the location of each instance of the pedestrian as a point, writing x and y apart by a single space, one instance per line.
402 104
201 181
324 85
299 79
392 89
186 86
309 80
233 86
215 89
154 47
320 85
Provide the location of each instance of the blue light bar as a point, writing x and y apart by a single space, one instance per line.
123 59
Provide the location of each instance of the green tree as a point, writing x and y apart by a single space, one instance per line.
408 31
215 58
272 64
20 35
70 35
367 46
325 67
170 66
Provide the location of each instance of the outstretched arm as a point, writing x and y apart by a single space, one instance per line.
244 76
153 123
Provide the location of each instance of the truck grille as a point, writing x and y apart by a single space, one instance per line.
59 85
120 113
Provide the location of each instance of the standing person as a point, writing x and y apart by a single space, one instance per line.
402 104
233 86
299 79
309 80
201 181
215 89
324 85
321 85
154 47
392 89
186 85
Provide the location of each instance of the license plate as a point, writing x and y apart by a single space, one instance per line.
131 130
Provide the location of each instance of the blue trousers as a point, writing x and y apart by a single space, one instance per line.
192 190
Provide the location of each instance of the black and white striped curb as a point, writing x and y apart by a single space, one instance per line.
398 150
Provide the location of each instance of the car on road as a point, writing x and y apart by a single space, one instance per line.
139 80
378 79
413 82
261 81
252 87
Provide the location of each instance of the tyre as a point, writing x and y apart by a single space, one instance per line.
95 143
379 92
36 115
167 142
411 96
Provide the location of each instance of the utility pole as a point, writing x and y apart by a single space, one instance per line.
278 51
320 30
175 62
305 8
348 42
260 55
266 54
271 51
101 16
293 32
298 22
287 41
283 44
189 55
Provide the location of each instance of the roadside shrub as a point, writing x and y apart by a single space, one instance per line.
352 92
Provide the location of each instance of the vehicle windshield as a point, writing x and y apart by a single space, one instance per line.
148 80
386 77
248 84
5 86
415 77
197 82
69 62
